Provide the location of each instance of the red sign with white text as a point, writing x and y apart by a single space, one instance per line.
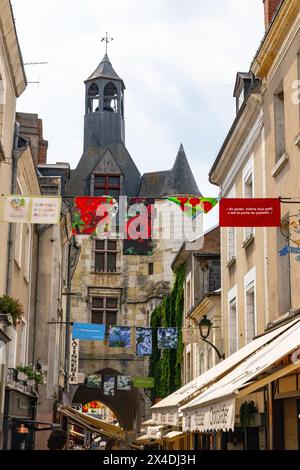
250 212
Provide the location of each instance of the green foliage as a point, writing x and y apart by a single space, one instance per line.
247 410
165 365
11 307
32 374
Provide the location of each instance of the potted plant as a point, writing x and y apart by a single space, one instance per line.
12 308
32 374
248 410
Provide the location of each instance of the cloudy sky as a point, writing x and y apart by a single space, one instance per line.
178 60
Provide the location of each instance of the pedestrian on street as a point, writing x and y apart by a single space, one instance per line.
57 440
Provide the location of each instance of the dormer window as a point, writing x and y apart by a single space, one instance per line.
244 84
107 185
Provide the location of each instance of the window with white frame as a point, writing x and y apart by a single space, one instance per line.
202 365
248 191
209 359
27 254
231 243
188 367
279 122
22 342
233 326
18 244
250 314
12 349
231 233
188 293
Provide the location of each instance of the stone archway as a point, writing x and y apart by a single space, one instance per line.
125 404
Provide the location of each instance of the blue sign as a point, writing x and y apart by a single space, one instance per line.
289 249
91 331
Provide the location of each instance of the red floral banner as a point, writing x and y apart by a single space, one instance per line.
91 213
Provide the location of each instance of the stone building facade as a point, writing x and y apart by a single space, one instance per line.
119 288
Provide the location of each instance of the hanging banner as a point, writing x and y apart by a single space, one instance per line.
93 215
167 338
192 206
119 337
30 209
137 240
250 212
190 335
88 331
109 385
143 341
289 249
143 382
94 381
123 382
140 221
74 362
215 417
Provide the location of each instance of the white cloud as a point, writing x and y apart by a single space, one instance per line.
178 60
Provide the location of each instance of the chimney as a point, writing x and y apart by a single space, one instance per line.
271 7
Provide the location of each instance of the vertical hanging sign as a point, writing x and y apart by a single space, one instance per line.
74 362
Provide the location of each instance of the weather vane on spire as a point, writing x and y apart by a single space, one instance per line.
107 39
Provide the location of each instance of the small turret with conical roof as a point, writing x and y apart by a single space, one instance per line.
181 179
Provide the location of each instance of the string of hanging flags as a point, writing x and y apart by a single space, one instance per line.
121 336
101 215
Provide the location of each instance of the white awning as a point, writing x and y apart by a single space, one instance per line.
229 386
93 424
166 411
173 435
153 432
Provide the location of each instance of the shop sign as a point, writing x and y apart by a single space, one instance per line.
215 417
143 382
74 360
32 210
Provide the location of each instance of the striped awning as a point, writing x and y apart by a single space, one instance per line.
92 424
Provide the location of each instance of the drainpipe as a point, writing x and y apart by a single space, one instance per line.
16 153
68 319
40 230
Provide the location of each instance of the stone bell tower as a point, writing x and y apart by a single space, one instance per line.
104 107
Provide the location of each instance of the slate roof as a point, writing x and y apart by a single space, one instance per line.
104 70
178 180
80 177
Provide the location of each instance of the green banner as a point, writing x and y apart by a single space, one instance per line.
143 382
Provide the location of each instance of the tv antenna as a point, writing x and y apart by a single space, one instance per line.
35 63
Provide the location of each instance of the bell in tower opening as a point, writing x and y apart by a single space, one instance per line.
110 98
93 99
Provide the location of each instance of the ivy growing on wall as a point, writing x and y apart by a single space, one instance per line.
165 365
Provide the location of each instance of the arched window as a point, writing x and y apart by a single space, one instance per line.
93 98
110 98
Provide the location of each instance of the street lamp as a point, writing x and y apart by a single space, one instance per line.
205 326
